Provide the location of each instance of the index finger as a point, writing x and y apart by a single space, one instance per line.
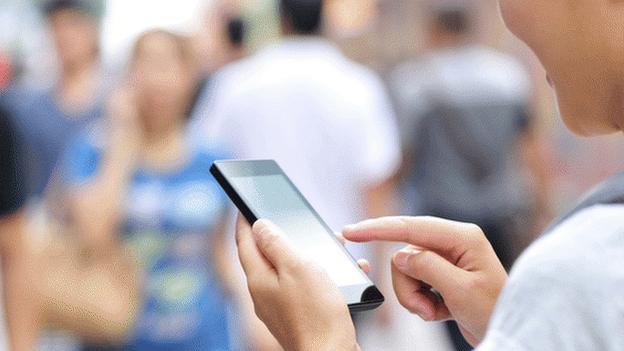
428 232
251 258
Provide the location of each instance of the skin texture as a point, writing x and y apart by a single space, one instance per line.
444 255
18 273
73 49
75 38
580 43
281 280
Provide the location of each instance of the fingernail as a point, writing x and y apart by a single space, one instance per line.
401 258
348 227
259 228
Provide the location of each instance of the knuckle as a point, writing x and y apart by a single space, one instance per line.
476 283
406 221
404 301
255 285
421 259
295 266
268 238
474 235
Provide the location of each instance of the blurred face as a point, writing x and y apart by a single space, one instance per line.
75 37
581 45
163 82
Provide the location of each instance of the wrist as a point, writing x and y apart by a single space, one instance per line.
332 343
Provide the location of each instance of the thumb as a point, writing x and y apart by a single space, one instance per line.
430 268
274 245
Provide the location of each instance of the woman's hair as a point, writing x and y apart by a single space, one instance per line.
182 44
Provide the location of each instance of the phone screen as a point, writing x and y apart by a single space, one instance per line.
273 197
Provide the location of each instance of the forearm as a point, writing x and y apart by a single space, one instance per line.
97 205
20 299
335 346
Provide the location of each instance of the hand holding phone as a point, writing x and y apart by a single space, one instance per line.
260 189
294 297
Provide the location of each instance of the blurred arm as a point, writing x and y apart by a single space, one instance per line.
22 313
259 337
222 258
96 206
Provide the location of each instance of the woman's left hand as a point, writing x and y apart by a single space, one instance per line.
295 298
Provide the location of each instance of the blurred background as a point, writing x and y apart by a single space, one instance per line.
414 106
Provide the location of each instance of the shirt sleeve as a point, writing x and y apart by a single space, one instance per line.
80 161
12 187
549 304
377 151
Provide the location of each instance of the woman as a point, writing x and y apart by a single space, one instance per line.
564 293
139 185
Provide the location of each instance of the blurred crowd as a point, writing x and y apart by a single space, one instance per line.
129 238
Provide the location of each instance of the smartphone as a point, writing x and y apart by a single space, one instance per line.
260 189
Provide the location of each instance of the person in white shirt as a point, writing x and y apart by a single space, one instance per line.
565 291
470 147
326 120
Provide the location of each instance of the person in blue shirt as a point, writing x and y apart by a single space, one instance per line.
137 184
46 117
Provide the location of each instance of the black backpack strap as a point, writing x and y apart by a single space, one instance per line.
607 193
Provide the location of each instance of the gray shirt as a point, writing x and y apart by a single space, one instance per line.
566 291
462 111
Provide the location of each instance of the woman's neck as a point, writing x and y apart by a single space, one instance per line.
165 150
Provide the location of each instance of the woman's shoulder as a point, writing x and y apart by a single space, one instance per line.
563 283
585 244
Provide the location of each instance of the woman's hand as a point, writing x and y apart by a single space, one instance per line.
298 302
451 257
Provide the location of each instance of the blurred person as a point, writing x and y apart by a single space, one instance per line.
140 185
221 44
325 119
223 37
48 118
21 311
561 293
464 111
6 70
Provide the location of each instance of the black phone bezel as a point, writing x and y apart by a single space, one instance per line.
360 297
